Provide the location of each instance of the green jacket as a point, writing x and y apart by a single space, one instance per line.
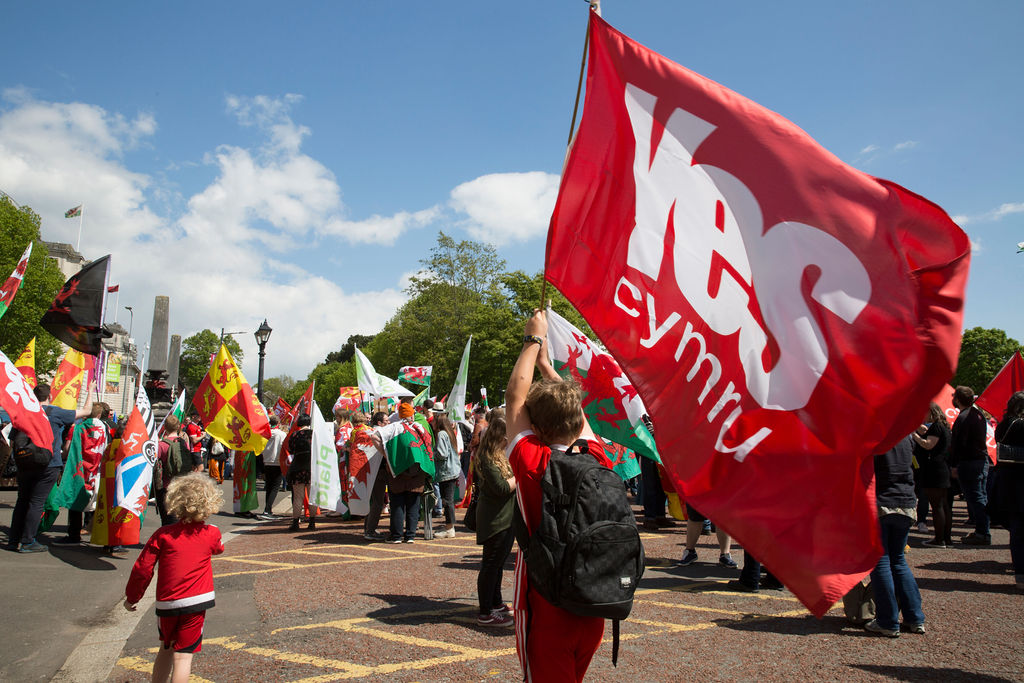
495 500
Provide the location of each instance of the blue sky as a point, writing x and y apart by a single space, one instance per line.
295 160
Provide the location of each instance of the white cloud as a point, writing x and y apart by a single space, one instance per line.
908 144
1007 209
869 149
382 230
994 215
506 207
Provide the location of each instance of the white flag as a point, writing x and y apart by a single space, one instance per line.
324 479
366 376
457 397
364 464
390 388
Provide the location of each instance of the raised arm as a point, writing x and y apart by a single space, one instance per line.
522 375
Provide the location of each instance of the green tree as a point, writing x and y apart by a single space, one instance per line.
195 356
983 352
43 279
348 349
329 378
275 388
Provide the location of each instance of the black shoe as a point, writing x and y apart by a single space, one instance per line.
66 540
771 583
294 526
664 523
650 525
737 585
311 526
974 538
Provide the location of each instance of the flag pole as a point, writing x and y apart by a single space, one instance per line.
81 217
595 6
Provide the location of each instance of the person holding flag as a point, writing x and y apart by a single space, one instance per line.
34 486
410 460
79 484
300 445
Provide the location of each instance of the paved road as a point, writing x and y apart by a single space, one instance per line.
326 605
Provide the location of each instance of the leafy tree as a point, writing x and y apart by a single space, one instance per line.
275 388
467 266
43 279
195 356
983 352
329 378
348 349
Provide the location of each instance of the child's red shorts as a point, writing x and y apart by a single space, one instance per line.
183 632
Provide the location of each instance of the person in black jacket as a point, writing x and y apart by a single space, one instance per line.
1007 502
892 582
969 462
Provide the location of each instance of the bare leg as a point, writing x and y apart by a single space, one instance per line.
724 541
162 665
692 533
182 667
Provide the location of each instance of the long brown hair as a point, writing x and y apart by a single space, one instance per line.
492 445
443 424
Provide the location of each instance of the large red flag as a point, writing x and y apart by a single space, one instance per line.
783 315
1008 381
21 405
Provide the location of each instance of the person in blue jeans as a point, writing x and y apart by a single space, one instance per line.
893 583
969 462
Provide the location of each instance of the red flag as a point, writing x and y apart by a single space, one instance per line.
783 315
113 288
282 410
303 405
1008 381
21 405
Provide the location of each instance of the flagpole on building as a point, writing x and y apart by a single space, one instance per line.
81 217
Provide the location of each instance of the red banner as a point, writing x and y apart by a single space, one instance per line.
1008 381
783 315
21 405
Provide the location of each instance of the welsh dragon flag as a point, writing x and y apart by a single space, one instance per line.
177 410
364 461
611 404
71 492
457 398
416 374
243 482
408 447
13 283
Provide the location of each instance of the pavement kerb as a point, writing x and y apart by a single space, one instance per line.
97 654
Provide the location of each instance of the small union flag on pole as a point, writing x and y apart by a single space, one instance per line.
72 213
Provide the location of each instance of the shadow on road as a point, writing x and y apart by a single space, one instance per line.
929 673
418 610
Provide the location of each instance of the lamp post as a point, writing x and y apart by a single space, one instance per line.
262 335
131 319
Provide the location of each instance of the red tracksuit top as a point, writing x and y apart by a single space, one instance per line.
184 582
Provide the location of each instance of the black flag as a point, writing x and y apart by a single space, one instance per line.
76 315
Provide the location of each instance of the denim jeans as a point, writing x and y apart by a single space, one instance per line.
972 475
405 515
448 500
892 582
33 488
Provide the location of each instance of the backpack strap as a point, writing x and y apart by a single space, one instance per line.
615 642
581 445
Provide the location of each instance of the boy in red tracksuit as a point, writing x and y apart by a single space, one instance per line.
552 644
184 584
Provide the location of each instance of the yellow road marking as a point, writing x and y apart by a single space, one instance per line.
144 666
263 562
287 567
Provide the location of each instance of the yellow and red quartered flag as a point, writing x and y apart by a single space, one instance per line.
67 383
26 363
228 407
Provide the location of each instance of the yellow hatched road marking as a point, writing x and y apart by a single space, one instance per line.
290 566
263 562
145 666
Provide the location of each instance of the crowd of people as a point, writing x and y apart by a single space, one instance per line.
502 455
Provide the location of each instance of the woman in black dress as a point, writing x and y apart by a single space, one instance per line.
300 447
931 450
1006 504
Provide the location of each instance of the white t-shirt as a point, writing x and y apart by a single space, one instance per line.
273 448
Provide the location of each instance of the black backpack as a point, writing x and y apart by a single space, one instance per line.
28 457
585 556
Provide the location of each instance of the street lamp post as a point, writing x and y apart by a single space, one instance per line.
131 319
262 335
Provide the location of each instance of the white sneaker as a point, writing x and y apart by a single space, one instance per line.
448 533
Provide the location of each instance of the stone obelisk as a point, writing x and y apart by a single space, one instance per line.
172 360
156 375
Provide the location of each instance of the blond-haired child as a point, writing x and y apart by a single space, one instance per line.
184 585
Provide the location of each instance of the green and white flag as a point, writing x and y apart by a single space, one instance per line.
420 397
325 488
366 376
611 403
389 388
13 283
177 410
456 403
